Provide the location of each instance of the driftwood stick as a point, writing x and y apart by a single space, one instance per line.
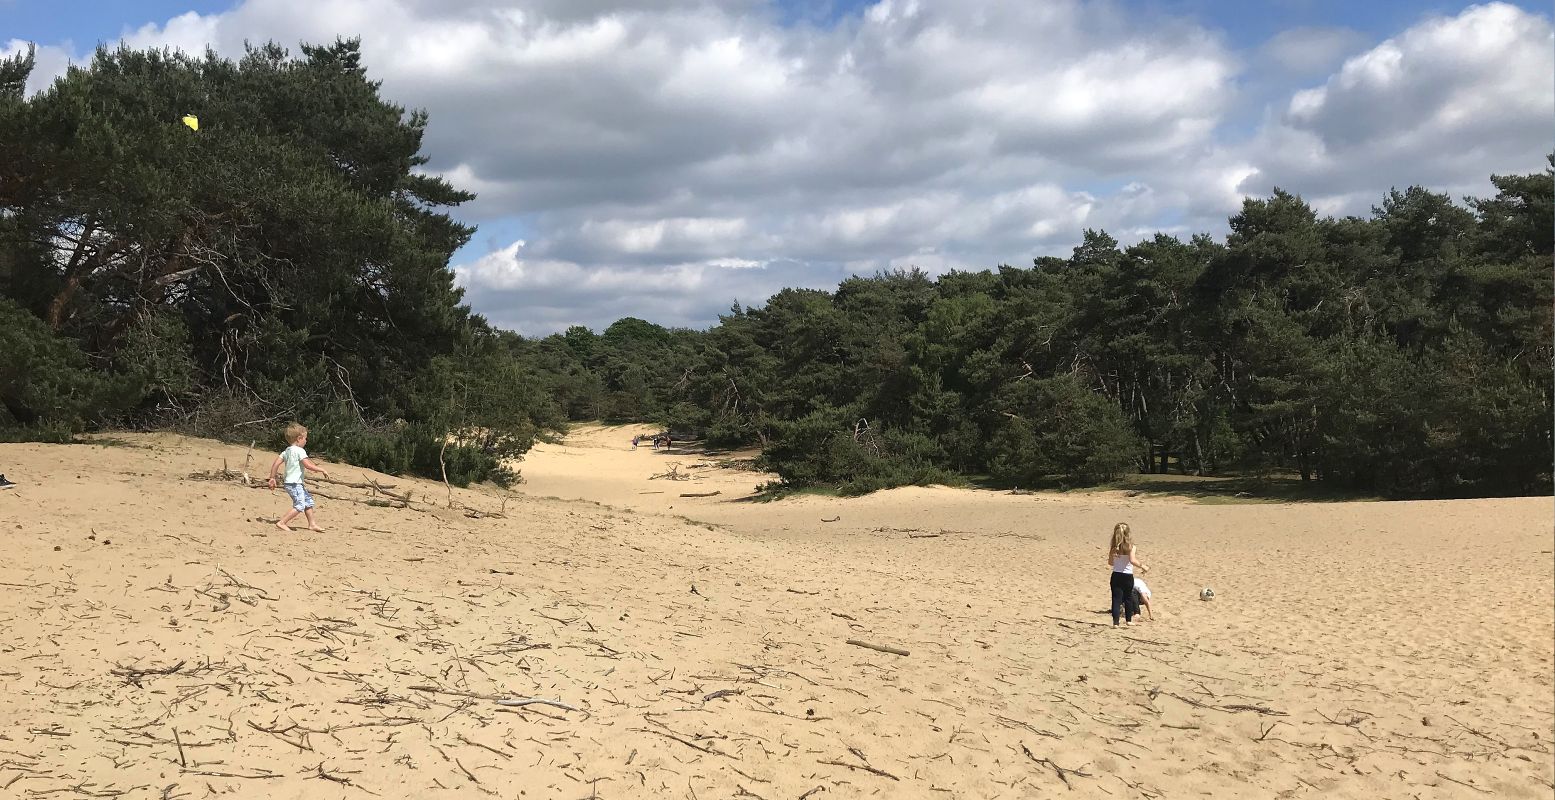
1479 789
880 647
182 762
520 702
486 747
215 774
368 484
862 768
699 494
443 465
1063 773
1077 621
501 700
690 744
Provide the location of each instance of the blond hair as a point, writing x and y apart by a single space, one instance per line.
1122 541
294 432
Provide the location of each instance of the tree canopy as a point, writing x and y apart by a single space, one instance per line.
290 260
287 260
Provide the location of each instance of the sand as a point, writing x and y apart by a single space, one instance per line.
162 640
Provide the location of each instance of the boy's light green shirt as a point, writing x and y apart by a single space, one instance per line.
292 457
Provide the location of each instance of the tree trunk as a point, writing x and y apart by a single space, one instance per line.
73 275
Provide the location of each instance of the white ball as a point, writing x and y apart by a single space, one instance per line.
1206 593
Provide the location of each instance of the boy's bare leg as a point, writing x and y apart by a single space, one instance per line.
312 525
285 518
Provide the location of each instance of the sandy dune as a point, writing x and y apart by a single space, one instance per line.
159 642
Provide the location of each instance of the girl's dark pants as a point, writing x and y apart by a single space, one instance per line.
1123 602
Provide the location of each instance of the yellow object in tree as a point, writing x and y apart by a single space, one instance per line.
193 122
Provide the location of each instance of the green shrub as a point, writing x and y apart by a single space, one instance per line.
48 389
1057 428
819 451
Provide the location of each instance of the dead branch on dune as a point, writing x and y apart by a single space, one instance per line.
1062 772
880 647
673 474
134 675
501 700
861 768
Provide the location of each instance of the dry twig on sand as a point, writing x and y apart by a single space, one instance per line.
501 700
1062 772
862 768
673 474
880 647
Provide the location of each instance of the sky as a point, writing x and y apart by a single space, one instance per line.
665 159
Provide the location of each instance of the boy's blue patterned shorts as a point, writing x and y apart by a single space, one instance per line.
301 500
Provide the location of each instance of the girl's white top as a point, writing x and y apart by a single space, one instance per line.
1139 586
1123 563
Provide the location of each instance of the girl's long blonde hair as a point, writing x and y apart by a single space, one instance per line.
1122 542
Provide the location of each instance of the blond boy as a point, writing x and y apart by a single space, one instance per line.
296 460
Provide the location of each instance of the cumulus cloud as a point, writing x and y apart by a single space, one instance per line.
1444 104
665 158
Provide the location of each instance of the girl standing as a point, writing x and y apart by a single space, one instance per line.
1120 556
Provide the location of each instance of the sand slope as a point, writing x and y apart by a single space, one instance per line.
1356 650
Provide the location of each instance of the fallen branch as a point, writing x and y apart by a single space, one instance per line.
1062 772
501 700
862 768
1259 709
673 474
520 702
486 747
1479 789
215 774
880 647
699 494
134 675
692 745
1076 621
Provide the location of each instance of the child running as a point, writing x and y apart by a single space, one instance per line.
296 460
1120 556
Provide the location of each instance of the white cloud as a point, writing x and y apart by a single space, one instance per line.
1444 104
667 157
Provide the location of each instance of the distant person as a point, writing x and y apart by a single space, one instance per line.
669 441
296 460
1142 597
1120 557
635 440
